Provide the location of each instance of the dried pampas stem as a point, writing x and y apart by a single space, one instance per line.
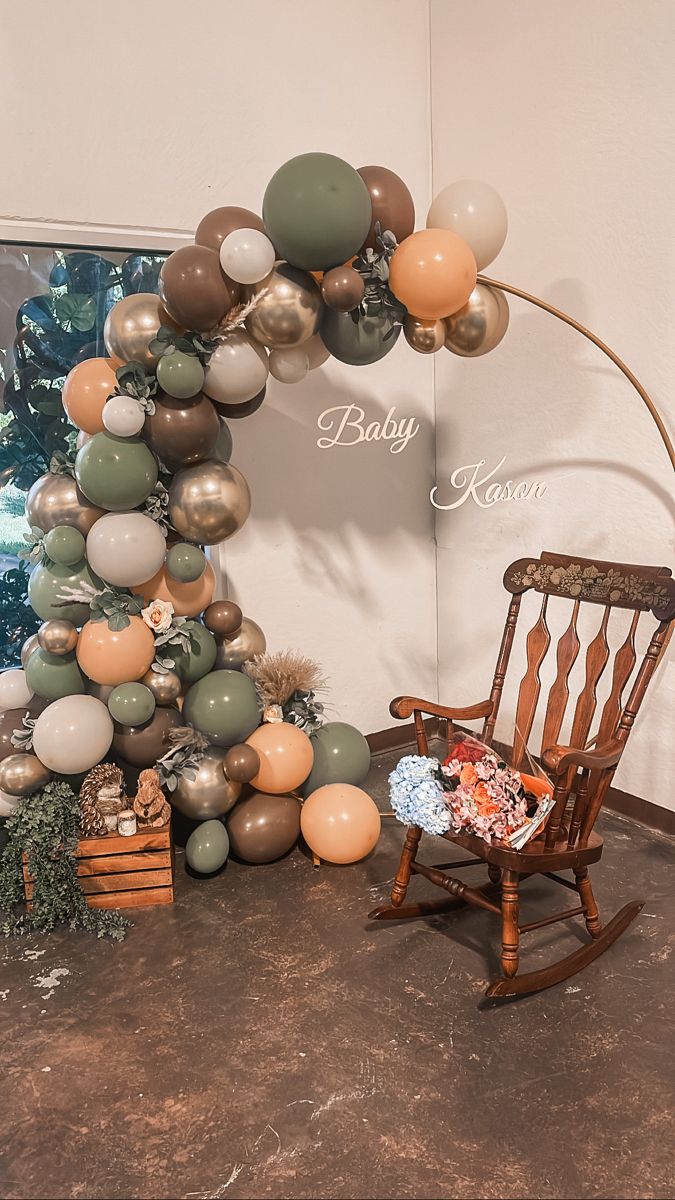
278 676
237 316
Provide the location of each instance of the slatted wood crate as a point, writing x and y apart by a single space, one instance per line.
123 872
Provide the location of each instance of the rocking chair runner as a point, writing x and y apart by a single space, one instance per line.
581 776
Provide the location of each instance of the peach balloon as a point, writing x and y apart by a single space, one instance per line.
340 823
286 757
115 656
188 599
85 391
433 272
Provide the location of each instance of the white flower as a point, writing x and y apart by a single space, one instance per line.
158 615
273 714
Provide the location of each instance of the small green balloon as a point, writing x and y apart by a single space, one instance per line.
180 375
358 344
65 545
196 662
224 706
185 562
116 473
341 755
53 676
317 210
131 704
207 847
223 446
46 583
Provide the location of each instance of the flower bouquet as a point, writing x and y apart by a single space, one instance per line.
473 791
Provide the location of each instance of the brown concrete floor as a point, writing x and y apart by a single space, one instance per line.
261 1039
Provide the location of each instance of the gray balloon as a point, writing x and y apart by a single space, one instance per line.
358 344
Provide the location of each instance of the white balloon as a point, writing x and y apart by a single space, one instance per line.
126 548
237 370
14 690
289 366
8 803
247 255
73 734
123 416
475 211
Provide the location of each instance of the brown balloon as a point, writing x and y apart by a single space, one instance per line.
182 431
10 720
392 203
343 288
142 745
194 290
241 763
262 828
223 618
215 226
245 409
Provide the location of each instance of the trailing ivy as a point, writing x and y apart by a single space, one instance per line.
45 827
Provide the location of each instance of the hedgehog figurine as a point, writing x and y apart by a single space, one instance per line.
101 798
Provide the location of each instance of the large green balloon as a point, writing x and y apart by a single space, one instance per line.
65 544
317 211
193 664
224 706
185 562
341 755
358 344
207 847
53 676
116 473
131 704
47 582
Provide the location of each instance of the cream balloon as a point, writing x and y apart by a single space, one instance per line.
8 803
73 734
14 689
289 366
125 548
475 211
247 255
480 325
123 416
237 370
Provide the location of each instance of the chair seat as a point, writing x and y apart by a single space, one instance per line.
533 857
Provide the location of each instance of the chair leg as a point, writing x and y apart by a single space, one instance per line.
510 935
412 841
585 890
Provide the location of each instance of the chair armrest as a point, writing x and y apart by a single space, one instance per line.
405 706
557 759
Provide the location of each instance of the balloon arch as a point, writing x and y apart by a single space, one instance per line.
135 662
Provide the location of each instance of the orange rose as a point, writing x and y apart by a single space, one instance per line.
481 795
468 774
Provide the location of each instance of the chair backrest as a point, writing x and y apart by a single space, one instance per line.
582 581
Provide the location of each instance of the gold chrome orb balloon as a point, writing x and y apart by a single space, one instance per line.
426 337
57 637
289 311
22 774
164 685
131 325
234 651
210 793
208 502
480 325
57 500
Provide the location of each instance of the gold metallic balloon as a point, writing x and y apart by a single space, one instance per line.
233 652
208 502
131 325
290 312
22 774
28 647
165 687
57 637
424 336
57 500
480 325
209 794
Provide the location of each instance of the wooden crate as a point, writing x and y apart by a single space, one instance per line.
123 872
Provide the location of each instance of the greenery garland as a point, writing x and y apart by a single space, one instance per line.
45 826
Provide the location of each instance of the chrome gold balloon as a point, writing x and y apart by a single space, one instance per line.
210 793
426 337
131 325
22 774
480 325
165 686
208 502
57 637
233 652
289 312
57 500
28 647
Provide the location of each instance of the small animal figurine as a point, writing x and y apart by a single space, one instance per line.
101 798
151 809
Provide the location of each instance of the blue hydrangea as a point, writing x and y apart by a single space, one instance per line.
417 797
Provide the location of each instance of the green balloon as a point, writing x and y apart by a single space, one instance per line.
180 375
65 545
47 582
115 473
196 662
317 211
224 706
341 755
53 676
358 344
185 562
131 704
207 847
223 446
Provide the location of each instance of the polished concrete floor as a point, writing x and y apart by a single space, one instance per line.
261 1039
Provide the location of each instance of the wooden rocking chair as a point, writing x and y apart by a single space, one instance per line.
581 776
